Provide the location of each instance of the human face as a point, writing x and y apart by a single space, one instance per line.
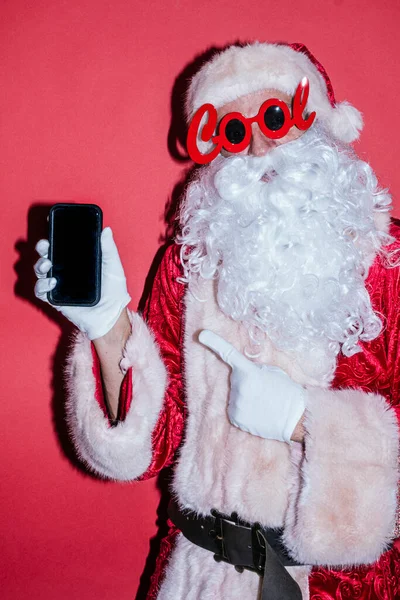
249 106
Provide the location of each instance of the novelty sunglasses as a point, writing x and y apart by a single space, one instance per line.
233 132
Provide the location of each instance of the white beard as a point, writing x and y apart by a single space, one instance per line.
290 237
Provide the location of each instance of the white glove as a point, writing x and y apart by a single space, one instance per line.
97 320
263 400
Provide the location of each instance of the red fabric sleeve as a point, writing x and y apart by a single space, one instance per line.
376 369
164 315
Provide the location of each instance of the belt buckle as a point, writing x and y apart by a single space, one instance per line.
216 534
259 545
258 542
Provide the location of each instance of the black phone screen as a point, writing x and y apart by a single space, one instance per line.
75 253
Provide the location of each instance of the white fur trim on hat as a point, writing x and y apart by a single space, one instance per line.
241 70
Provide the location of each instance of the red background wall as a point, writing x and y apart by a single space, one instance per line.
85 109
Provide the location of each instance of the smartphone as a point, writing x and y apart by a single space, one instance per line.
75 253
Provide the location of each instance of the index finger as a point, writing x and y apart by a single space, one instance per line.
223 349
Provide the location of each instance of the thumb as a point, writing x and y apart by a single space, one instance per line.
223 349
110 255
109 249
107 242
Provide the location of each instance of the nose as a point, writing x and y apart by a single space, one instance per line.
260 144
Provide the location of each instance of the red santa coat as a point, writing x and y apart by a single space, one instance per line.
335 496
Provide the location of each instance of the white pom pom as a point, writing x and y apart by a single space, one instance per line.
346 122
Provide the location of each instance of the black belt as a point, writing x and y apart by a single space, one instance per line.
243 545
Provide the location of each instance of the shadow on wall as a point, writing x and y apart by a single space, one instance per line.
24 286
37 228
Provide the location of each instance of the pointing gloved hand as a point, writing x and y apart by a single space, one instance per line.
263 400
96 320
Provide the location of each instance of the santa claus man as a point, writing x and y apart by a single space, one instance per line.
266 364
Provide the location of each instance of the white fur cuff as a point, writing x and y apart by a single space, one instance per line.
123 452
343 501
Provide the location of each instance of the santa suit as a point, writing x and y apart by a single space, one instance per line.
335 496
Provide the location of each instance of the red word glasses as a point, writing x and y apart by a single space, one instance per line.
234 130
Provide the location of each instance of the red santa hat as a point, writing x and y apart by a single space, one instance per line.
240 70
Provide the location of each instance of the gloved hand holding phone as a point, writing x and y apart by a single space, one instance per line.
96 320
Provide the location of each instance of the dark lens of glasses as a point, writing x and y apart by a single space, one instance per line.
274 118
235 131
